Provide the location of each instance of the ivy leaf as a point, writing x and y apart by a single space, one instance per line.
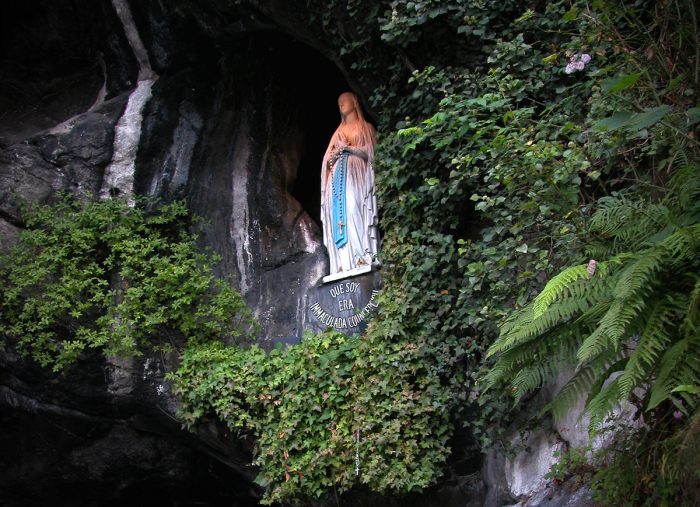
571 15
551 58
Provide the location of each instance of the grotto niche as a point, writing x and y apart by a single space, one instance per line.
257 127
236 124
243 140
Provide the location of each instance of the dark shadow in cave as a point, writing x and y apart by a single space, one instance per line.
315 83
50 63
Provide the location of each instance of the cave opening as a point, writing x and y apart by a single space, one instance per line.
313 82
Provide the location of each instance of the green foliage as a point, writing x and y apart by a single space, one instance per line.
495 169
497 119
626 314
306 405
507 134
481 171
642 467
651 467
105 276
635 311
573 466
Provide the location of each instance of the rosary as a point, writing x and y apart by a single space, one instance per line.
339 191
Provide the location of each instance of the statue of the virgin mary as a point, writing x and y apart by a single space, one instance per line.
348 200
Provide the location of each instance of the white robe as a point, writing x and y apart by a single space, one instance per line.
360 251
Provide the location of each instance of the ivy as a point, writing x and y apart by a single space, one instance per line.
330 413
104 276
487 173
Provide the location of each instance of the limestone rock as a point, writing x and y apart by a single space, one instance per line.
525 473
564 495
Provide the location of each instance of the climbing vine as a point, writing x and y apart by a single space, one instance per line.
487 181
327 414
104 276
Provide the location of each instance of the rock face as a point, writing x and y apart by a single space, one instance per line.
222 106
520 479
100 434
233 118
244 145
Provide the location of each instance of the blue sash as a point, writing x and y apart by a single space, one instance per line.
338 214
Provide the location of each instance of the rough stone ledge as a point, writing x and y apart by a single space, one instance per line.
17 401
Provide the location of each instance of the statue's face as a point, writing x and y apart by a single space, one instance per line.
345 104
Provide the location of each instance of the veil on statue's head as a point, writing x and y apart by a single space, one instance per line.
364 130
355 102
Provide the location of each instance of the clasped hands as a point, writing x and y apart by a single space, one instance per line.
336 152
339 147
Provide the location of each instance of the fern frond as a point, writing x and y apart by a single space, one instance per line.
684 244
691 320
524 325
685 184
531 377
651 292
630 294
556 346
602 405
512 360
611 214
627 221
636 277
582 382
516 331
594 313
559 285
574 283
650 217
526 328
680 364
612 330
601 249
668 370
546 365
512 321
657 335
